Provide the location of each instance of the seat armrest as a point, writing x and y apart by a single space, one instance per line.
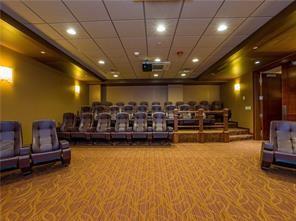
25 150
267 146
150 129
170 129
64 144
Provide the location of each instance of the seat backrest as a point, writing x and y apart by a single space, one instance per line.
169 109
179 103
107 103
144 103
10 139
185 107
156 108
159 122
217 105
166 103
120 104
155 103
113 111
122 122
128 109
86 109
44 136
69 121
140 122
283 136
192 103
99 109
104 122
142 108
85 122
96 103
133 103
204 105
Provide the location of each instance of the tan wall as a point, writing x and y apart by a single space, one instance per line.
201 92
94 93
175 93
37 92
136 93
237 101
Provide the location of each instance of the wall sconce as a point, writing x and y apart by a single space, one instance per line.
6 74
237 87
77 89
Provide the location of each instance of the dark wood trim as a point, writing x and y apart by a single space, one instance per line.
18 25
256 106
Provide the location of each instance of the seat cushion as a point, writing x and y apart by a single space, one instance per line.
293 136
285 157
6 149
284 141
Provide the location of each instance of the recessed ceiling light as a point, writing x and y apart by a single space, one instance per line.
222 27
160 28
136 53
257 62
183 74
115 75
194 60
155 75
71 31
101 62
42 52
157 60
255 47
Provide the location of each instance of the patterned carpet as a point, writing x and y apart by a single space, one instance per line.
214 181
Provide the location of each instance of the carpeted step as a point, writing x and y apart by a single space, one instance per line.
239 131
240 137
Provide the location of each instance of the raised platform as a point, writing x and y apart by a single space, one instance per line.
212 135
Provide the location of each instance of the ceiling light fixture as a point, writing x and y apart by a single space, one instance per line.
157 59
155 75
183 75
42 52
257 62
115 75
101 62
136 53
222 27
160 28
255 47
71 31
194 60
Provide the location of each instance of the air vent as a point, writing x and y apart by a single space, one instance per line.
155 66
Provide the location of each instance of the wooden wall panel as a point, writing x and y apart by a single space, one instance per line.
289 92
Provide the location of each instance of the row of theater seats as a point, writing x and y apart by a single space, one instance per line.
101 129
45 146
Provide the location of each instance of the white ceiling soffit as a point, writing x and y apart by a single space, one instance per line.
112 30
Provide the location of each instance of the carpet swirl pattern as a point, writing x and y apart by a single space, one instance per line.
213 181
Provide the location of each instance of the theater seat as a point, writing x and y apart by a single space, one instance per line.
113 111
45 146
128 109
140 128
155 103
107 103
169 110
186 117
103 128
179 103
156 108
167 103
192 104
85 109
99 109
144 103
217 105
69 122
12 153
204 105
120 104
96 103
142 108
122 129
85 126
132 103
159 127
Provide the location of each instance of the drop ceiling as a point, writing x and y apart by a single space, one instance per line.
112 30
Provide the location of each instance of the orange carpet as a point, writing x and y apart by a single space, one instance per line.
214 181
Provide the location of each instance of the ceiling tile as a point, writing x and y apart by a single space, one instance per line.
200 9
176 58
185 41
141 57
100 29
51 11
251 25
271 7
109 43
48 31
234 40
210 41
127 9
130 28
134 43
84 44
241 8
167 9
232 24
161 53
170 25
192 26
159 41
62 29
88 10
21 10
202 52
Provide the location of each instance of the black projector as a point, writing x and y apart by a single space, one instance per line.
147 67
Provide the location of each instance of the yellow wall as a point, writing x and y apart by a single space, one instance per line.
237 101
201 92
37 92
94 93
175 92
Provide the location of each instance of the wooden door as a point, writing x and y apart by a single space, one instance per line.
272 101
289 92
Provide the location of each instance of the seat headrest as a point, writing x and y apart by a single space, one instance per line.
140 115
9 126
122 115
159 115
